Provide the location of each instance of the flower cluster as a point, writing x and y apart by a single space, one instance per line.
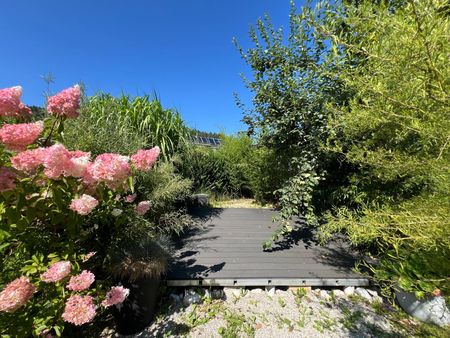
30 173
83 205
18 136
10 105
130 198
143 207
16 294
88 256
79 310
56 272
113 169
143 160
7 179
81 282
65 103
116 295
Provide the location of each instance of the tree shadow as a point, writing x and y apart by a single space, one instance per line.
184 264
300 234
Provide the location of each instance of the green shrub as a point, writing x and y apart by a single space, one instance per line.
236 150
396 131
168 193
209 173
229 169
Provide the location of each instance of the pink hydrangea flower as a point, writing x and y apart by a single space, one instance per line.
113 169
16 294
7 179
10 101
57 161
83 205
116 295
143 207
18 136
88 256
66 103
130 198
81 282
28 160
143 160
80 162
56 272
79 310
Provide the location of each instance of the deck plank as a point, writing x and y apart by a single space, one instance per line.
228 245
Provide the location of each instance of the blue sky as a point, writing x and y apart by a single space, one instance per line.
182 49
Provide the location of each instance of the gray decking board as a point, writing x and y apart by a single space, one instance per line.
227 250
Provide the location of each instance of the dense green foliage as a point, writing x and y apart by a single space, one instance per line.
224 170
396 131
353 107
294 77
168 192
105 127
126 123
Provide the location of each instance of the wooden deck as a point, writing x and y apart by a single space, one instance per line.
226 250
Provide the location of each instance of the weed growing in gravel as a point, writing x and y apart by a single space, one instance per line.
200 315
301 322
300 293
325 323
378 307
237 325
282 302
350 319
284 322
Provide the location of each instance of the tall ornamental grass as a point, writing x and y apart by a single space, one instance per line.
129 123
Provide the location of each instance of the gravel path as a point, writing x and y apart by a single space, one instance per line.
273 313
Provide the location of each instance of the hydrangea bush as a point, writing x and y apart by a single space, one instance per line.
59 209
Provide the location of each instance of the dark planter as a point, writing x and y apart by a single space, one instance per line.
138 310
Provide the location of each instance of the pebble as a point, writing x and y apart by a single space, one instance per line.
217 293
191 297
338 293
373 293
349 290
363 293
324 294
270 290
256 291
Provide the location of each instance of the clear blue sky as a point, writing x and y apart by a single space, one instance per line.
181 49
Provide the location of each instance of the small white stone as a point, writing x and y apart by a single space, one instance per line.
338 293
207 294
270 290
324 294
377 299
256 291
191 297
349 290
217 293
235 292
373 293
363 293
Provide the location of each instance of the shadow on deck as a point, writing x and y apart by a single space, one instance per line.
226 249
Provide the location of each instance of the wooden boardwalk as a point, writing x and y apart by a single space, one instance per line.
227 251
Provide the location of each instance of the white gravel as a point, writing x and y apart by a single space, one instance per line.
271 313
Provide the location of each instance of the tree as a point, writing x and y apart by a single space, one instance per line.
294 80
